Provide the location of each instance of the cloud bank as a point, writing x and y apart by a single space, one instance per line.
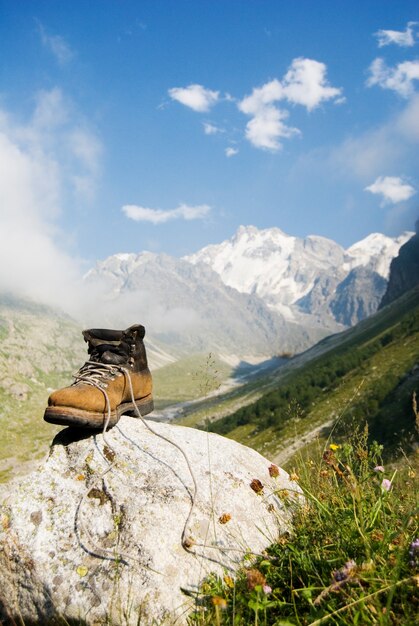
41 161
158 216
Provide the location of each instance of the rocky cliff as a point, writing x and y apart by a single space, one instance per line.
404 270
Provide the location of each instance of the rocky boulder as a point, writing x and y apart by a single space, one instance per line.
114 530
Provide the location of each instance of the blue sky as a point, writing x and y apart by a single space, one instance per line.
165 124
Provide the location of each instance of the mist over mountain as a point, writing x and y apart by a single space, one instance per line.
261 293
189 308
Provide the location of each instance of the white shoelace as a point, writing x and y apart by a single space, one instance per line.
94 371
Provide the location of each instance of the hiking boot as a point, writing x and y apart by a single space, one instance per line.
115 380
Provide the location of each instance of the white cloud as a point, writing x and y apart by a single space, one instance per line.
399 78
404 38
56 44
35 171
195 97
231 151
304 83
266 128
261 97
211 129
158 216
393 189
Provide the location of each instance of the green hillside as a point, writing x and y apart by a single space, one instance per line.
40 349
367 374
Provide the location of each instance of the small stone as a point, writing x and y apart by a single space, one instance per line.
36 518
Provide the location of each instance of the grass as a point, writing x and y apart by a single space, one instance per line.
178 382
350 560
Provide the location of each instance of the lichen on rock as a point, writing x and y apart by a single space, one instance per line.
94 535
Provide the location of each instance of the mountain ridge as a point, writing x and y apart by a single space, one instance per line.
283 270
260 293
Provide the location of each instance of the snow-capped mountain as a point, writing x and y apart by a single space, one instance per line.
261 293
310 275
190 309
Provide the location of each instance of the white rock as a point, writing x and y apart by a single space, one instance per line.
82 543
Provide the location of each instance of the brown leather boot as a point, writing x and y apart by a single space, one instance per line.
114 378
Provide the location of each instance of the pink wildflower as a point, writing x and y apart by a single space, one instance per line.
386 484
379 468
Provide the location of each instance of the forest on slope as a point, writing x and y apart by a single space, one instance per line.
369 375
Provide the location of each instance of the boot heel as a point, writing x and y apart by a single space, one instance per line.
145 407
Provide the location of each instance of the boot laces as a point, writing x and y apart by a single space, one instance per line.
96 374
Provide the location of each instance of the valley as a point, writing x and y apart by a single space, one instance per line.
224 373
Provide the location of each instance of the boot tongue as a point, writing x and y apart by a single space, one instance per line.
110 354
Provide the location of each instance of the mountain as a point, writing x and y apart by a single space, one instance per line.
188 308
259 294
312 276
404 270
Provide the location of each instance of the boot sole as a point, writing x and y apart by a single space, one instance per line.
69 416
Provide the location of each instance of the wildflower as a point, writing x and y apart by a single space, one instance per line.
414 553
379 468
273 471
344 572
218 601
340 578
267 589
228 581
254 578
294 476
386 484
334 447
256 485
